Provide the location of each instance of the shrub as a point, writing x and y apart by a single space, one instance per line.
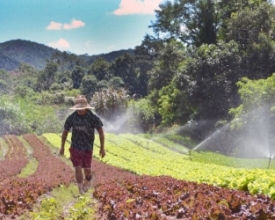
140 115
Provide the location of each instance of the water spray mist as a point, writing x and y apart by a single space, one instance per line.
270 158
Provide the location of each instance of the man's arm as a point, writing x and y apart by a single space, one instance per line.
63 140
102 142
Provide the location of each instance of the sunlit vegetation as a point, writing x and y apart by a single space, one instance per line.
173 77
215 158
63 203
169 144
55 141
18 194
31 167
165 197
144 156
189 80
138 177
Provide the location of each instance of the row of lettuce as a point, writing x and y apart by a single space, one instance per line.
149 156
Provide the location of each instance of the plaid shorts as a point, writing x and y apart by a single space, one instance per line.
81 158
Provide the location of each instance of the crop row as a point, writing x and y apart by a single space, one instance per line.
149 144
55 140
162 197
168 143
256 181
51 169
147 157
18 194
15 159
215 158
123 195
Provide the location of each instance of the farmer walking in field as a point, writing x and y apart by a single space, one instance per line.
83 122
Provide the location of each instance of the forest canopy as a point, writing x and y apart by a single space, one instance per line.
194 68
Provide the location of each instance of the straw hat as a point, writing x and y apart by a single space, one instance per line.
81 103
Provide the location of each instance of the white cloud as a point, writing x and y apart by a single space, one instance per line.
59 26
54 26
74 24
60 44
137 7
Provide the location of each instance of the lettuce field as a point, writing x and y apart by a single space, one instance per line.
141 177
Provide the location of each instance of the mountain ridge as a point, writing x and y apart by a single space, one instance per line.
15 52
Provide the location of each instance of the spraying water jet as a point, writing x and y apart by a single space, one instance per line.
269 159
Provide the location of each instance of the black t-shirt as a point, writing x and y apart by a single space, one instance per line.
82 129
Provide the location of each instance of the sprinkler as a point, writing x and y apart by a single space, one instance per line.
270 158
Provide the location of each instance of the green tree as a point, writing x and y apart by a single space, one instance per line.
6 82
255 116
166 65
27 76
67 61
88 85
208 80
12 118
165 69
64 79
116 82
77 75
27 70
4 87
124 67
228 8
194 22
103 84
23 91
173 107
100 68
110 103
56 87
255 93
253 29
140 116
145 54
47 76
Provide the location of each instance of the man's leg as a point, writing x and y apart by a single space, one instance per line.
79 179
88 179
76 160
88 170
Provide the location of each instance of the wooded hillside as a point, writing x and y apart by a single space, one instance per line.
194 72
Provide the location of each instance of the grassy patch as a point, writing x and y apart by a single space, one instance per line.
31 167
64 203
3 148
208 157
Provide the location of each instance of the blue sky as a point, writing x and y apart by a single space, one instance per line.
78 26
